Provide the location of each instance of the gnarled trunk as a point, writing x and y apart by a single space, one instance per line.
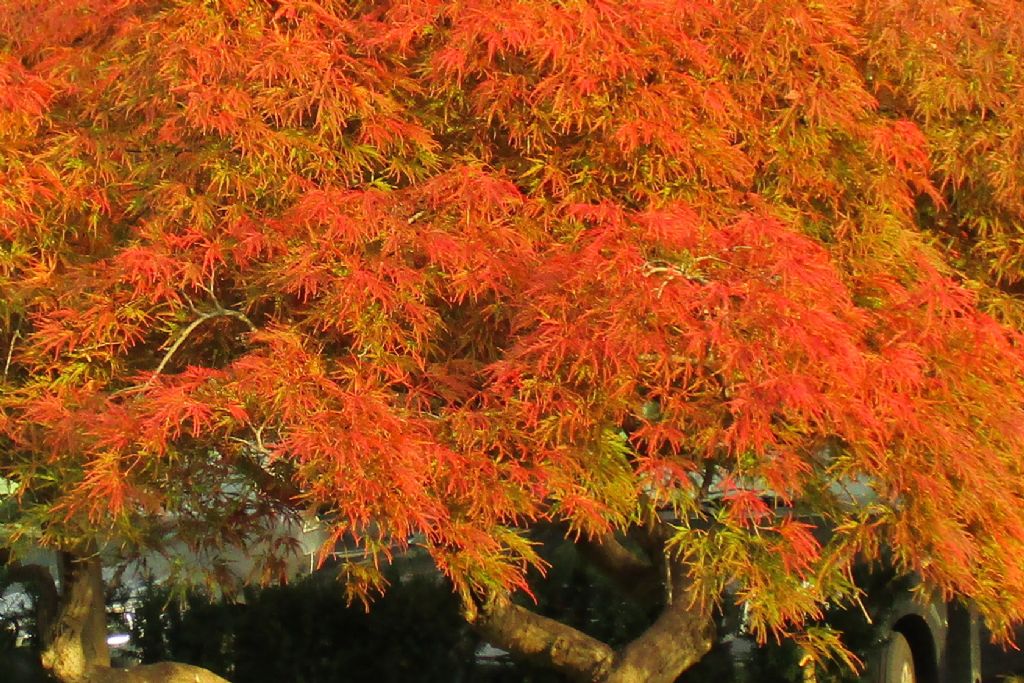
76 640
678 638
73 630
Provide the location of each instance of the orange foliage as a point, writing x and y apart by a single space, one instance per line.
454 269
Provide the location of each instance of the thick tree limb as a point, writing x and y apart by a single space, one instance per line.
163 672
612 556
74 638
545 641
679 637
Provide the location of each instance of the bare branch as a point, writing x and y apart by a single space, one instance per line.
237 314
705 484
218 312
543 640
10 353
612 555
281 490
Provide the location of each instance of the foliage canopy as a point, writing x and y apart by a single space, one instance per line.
440 271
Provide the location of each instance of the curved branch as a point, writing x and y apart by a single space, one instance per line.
237 314
679 637
283 490
161 672
47 598
218 312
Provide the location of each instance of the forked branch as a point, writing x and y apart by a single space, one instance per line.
677 639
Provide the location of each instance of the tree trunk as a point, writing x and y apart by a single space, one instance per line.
680 636
545 641
75 642
678 639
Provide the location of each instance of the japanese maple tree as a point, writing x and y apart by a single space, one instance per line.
728 291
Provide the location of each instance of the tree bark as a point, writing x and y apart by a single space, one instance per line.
544 641
680 636
74 640
637 576
163 672
678 639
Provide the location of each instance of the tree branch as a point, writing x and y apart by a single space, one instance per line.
47 597
545 641
218 312
652 533
10 353
617 558
282 490
705 484
679 637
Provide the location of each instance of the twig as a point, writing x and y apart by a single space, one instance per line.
10 353
705 484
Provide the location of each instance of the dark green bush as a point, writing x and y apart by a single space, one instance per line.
306 633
